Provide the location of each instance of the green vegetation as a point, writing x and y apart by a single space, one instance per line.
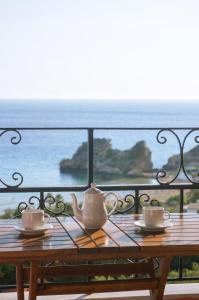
7 274
192 196
192 271
9 213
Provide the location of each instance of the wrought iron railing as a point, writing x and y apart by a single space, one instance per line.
136 194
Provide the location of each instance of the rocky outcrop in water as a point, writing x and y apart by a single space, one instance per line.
190 158
110 162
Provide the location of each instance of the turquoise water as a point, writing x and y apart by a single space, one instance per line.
38 154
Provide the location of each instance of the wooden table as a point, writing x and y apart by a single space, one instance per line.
119 239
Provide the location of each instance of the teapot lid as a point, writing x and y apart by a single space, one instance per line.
93 189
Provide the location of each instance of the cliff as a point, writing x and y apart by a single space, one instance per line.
110 162
190 158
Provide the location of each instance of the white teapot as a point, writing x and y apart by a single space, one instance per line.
93 213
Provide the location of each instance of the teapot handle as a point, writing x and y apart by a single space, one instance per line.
116 202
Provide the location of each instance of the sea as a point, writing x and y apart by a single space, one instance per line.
38 154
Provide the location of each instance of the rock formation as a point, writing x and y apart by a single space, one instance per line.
110 162
190 158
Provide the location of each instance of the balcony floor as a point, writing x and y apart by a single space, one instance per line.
184 291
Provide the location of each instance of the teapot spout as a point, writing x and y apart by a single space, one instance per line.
77 211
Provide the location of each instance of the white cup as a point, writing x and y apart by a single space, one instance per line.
33 218
154 216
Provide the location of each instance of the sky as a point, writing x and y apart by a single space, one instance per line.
107 49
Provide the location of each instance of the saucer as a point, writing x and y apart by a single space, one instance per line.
159 228
37 231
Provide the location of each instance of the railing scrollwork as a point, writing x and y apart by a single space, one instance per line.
15 140
59 207
33 202
194 179
132 203
126 204
162 174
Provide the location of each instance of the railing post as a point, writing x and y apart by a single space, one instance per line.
137 201
180 267
41 200
181 200
180 257
90 156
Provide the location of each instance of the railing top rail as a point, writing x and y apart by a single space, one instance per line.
99 128
120 187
